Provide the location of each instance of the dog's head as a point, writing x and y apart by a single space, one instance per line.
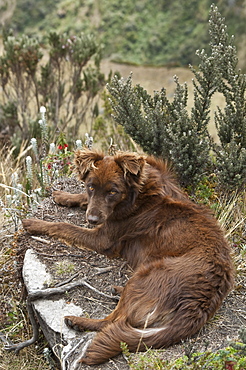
112 182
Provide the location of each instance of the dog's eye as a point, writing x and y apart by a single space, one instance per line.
112 192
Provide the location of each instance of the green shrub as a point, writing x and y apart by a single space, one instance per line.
231 124
166 129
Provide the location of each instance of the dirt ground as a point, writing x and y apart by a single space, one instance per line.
65 262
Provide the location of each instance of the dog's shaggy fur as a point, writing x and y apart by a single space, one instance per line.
182 263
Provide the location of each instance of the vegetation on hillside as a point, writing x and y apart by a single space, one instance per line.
142 31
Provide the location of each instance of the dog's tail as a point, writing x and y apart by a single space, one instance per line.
108 342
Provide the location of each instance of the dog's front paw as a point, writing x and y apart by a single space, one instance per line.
61 197
35 227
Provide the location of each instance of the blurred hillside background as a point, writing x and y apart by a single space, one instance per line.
142 32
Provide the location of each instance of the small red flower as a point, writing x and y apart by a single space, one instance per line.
229 365
60 147
65 146
49 166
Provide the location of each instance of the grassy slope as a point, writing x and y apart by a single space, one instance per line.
141 31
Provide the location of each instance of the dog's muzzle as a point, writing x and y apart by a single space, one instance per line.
93 219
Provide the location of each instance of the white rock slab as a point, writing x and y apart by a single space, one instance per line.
66 343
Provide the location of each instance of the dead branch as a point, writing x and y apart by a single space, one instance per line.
46 293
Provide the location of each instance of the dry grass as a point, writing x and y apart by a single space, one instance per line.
231 213
9 165
15 326
7 168
13 321
28 359
232 217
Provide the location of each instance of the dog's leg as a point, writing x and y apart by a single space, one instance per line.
94 239
70 200
83 323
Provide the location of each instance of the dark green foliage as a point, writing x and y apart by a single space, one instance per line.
10 121
166 129
161 127
231 165
106 131
29 12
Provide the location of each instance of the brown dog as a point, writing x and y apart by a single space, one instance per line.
182 263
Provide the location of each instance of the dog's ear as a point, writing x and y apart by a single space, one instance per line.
130 162
85 161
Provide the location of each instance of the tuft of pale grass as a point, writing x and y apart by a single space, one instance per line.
10 165
231 213
13 322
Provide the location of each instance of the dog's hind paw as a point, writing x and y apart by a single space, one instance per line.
115 289
72 322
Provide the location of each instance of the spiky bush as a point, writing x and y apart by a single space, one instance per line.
230 123
161 127
166 129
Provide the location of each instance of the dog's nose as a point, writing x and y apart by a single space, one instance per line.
93 219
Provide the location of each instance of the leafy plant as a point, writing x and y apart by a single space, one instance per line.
18 68
164 128
68 89
48 162
68 84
